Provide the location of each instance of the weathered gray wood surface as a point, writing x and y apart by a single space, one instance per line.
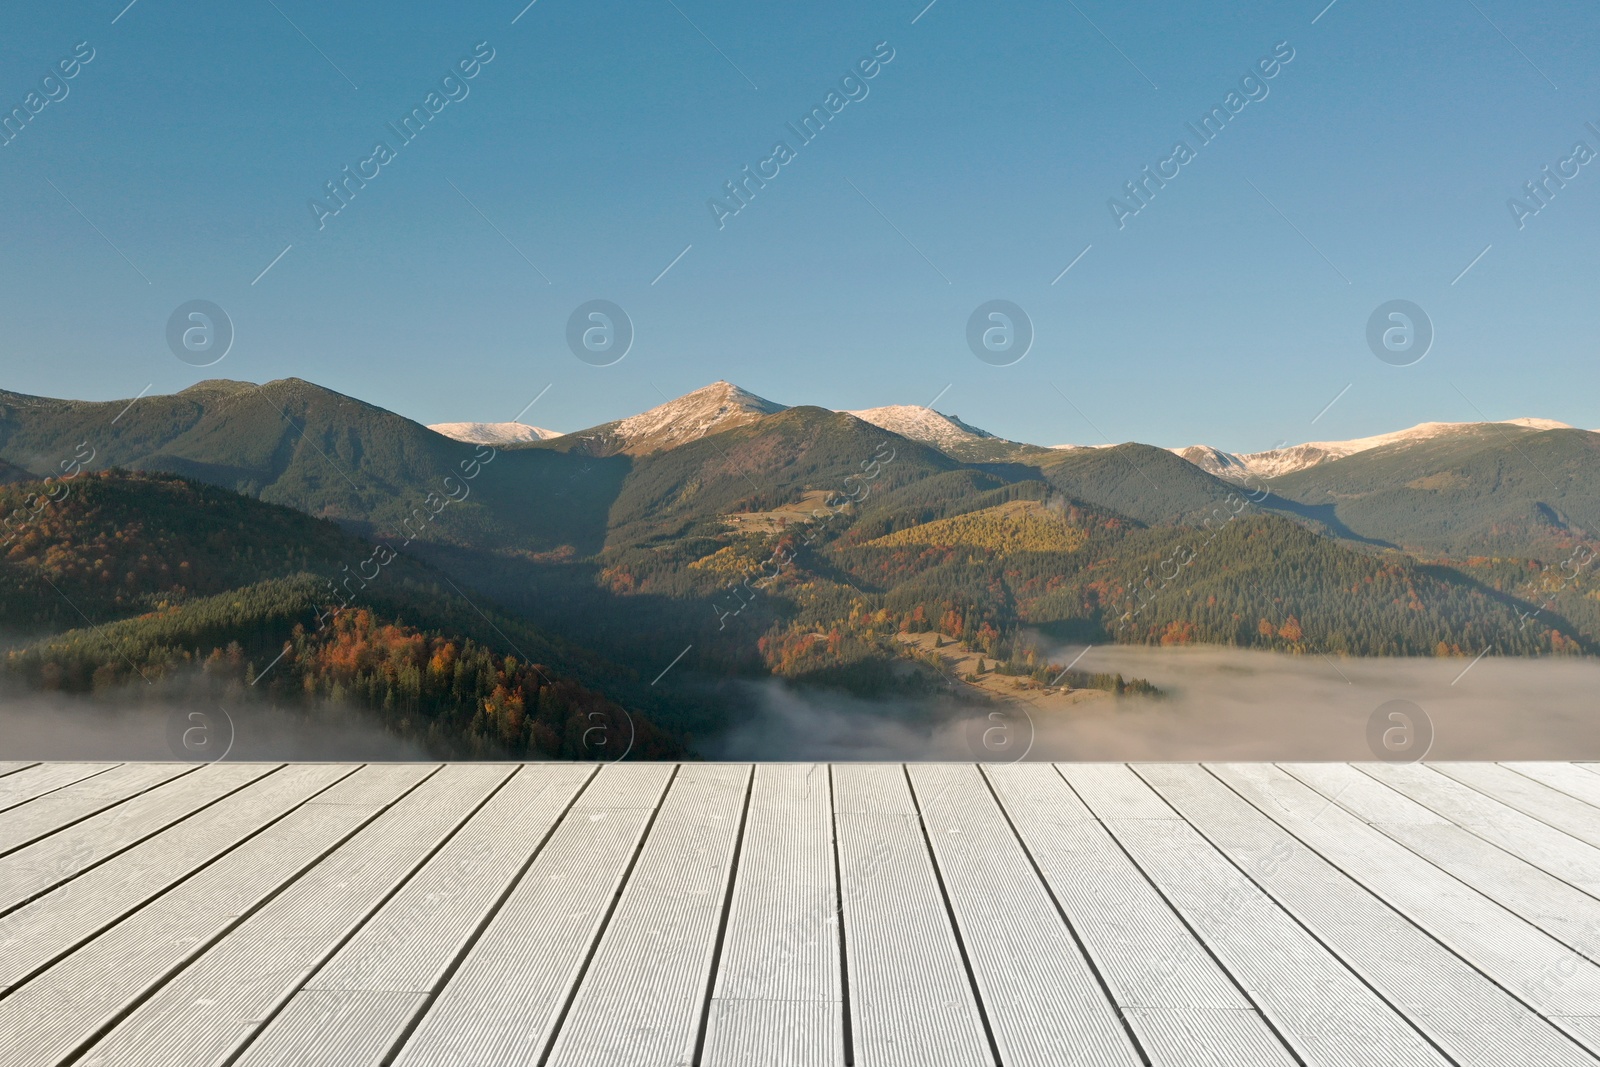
799 915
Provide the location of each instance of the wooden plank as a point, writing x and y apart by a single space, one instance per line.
1044 1002
415 936
39 867
219 1002
1496 940
774 1032
1182 1007
1245 914
1569 778
777 999
1519 834
335 1026
543 934
45 815
1112 790
13 766
372 989
1558 809
912 1003
871 789
44 778
70 914
1566 913
46 1021
644 994
1251 812
1292 977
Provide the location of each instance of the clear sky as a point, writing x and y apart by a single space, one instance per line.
578 162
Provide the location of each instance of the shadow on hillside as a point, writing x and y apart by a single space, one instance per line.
1324 515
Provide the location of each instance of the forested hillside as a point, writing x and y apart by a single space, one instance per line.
1501 491
140 586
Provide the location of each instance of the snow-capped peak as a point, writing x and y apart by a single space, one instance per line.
922 424
1215 460
493 433
1286 460
710 409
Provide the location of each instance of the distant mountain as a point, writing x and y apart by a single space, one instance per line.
922 424
1276 462
1484 489
493 433
763 465
1215 461
723 406
327 454
947 433
712 409
1149 484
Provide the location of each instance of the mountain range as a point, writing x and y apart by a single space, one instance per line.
722 405
1291 458
723 535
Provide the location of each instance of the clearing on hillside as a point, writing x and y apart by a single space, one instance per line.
1015 526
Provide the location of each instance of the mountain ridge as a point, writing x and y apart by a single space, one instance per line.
921 424
702 412
1288 459
723 405
493 433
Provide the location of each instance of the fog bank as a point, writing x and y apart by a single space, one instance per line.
1217 704
54 726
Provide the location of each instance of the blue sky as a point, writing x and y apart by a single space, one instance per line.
1230 309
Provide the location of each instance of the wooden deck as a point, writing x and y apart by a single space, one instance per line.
799 915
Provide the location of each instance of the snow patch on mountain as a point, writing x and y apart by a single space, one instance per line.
923 424
711 409
1214 460
1275 462
493 433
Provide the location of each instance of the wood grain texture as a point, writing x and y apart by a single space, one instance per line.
76 910
544 933
1147 957
799 915
779 987
223 998
49 812
49 1018
1045 1003
1467 1014
643 995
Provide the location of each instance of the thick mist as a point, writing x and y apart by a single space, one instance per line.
1216 704
56 726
